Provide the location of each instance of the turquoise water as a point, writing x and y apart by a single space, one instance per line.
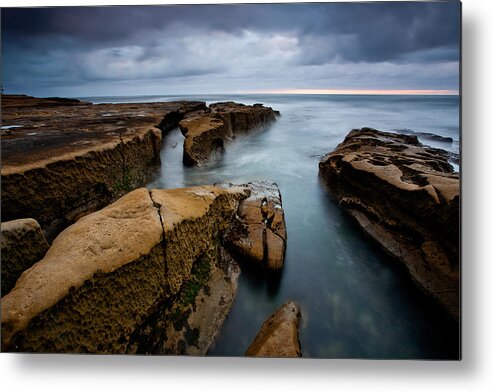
355 301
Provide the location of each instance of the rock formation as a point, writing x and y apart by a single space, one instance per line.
406 197
278 336
62 159
209 132
135 277
258 234
23 244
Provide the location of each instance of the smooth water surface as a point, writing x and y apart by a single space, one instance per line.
355 301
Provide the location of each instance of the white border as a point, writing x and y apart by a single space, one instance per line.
473 373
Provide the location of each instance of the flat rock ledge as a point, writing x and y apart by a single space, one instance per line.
23 245
279 335
147 274
208 132
258 234
406 197
64 158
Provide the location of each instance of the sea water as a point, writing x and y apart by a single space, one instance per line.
356 302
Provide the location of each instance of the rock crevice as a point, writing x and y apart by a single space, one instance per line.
66 158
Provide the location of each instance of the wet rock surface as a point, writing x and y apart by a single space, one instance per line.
23 244
111 282
279 335
426 136
208 132
258 234
406 197
62 158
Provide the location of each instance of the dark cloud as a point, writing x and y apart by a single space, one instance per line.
145 42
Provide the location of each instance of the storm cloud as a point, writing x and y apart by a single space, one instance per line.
227 48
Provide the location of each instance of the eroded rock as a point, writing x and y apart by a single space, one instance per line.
113 281
62 159
23 244
99 280
210 131
279 335
406 197
259 232
193 220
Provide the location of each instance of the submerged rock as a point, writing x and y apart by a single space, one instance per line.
109 282
66 158
279 335
259 232
23 244
406 197
427 136
209 132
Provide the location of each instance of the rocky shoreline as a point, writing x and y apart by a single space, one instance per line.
149 274
63 158
406 197
133 270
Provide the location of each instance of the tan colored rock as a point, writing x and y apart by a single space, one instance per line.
406 197
193 219
209 132
259 233
279 335
23 244
111 282
67 158
100 279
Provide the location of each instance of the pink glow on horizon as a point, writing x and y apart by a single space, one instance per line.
354 92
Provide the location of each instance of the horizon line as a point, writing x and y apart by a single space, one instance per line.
352 92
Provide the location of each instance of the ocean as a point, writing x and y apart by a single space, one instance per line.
356 302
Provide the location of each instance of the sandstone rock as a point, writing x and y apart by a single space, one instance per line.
406 197
193 220
23 244
209 132
99 280
66 158
278 336
111 282
259 233
201 276
193 321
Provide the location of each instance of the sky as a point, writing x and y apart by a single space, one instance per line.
233 48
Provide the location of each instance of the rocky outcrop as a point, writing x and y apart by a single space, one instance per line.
406 197
258 234
279 335
62 159
23 244
209 132
135 277
201 276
